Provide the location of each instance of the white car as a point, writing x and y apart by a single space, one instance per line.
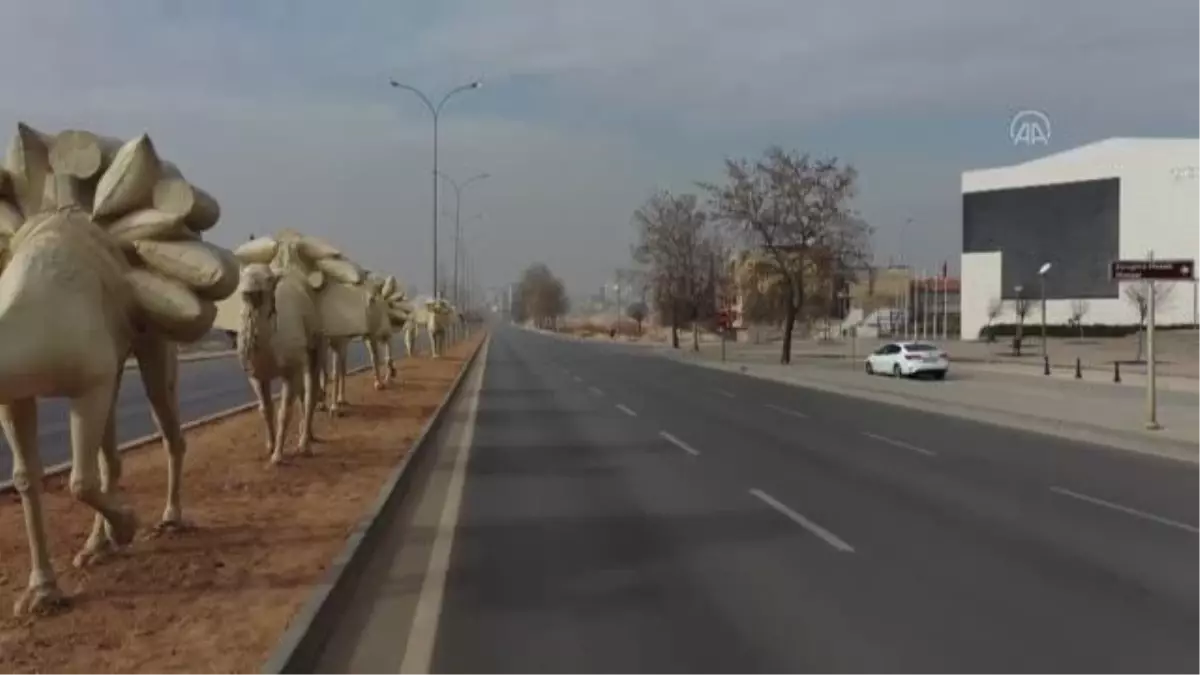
905 359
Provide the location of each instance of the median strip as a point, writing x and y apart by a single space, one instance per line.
263 538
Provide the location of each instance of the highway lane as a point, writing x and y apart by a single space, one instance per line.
623 512
205 387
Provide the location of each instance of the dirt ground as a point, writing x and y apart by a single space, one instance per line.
218 597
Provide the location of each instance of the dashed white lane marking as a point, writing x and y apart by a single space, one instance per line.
898 444
1125 509
679 444
623 408
786 411
577 378
596 391
726 394
825 535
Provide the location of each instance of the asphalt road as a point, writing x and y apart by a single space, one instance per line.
623 512
205 387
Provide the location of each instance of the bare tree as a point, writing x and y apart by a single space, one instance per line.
677 246
637 311
1079 309
540 297
795 209
1138 295
994 309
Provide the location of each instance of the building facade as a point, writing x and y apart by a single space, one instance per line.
1079 210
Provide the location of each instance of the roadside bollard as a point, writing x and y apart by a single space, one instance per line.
1078 369
1117 371
1045 365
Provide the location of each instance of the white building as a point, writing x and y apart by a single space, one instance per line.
1080 209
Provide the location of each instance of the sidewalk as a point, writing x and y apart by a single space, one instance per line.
1107 414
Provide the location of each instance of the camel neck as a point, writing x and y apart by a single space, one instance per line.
254 338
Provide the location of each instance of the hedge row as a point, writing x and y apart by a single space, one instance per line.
1062 330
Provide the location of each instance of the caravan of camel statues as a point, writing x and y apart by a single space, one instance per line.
111 236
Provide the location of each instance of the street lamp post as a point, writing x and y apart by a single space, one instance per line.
1042 282
436 111
458 188
1020 311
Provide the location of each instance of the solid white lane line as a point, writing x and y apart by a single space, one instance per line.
626 410
418 649
726 394
786 411
899 444
679 444
825 535
1125 509
577 378
596 391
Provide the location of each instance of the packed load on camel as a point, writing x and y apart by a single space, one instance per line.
101 257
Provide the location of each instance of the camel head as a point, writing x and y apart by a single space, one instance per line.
257 286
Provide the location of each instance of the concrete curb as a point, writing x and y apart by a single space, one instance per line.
1129 441
302 642
62 467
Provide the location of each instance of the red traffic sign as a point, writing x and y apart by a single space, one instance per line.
1152 270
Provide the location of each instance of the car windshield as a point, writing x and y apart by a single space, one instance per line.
920 347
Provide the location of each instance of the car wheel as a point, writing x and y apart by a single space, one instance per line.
896 372
939 375
870 371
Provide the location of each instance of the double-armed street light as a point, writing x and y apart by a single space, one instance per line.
436 111
458 188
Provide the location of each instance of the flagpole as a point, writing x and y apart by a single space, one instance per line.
929 333
925 332
945 303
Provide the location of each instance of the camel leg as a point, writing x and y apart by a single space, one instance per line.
376 366
308 403
409 337
90 414
100 544
312 391
19 420
159 366
287 397
336 396
266 407
387 357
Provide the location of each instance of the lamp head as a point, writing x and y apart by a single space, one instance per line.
1044 268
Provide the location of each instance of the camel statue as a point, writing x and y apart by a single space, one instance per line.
280 337
118 286
436 315
375 330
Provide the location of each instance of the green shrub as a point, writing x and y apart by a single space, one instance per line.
1062 330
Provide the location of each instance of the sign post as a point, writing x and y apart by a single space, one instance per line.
1152 271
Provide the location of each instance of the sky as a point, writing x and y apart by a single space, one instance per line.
282 109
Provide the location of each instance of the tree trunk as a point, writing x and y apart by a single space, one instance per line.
639 327
789 323
695 336
674 334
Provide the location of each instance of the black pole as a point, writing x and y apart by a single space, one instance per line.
1045 365
1078 369
1116 371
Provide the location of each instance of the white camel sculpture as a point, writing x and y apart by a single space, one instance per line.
376 336
435 315
280 338
96 294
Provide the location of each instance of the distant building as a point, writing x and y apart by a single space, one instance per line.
1079 210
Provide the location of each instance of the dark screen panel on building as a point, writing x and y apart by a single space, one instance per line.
1075 226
